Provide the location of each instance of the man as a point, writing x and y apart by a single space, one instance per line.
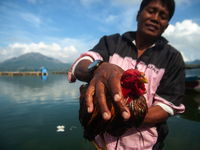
148 52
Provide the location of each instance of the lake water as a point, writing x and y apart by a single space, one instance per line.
32 108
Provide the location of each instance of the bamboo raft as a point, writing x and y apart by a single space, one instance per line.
36 73
59 72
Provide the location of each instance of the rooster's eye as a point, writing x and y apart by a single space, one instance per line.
127 76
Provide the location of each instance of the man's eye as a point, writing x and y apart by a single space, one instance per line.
150 11
163 16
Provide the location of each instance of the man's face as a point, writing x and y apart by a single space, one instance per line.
153 19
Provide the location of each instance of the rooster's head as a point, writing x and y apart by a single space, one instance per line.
132 81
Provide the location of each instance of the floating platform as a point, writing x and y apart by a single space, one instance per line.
59 72
36 73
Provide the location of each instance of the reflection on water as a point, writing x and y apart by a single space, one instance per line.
32 108
24 89
184 129
192 104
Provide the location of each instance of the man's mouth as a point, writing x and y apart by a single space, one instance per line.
152 27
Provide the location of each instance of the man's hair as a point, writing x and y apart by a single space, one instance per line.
170 5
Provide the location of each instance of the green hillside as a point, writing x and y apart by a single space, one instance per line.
33 62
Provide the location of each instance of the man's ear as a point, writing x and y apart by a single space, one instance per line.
138 15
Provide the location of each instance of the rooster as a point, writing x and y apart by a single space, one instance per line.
133 88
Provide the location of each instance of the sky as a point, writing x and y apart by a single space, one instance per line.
63 29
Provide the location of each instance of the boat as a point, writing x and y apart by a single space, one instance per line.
192 80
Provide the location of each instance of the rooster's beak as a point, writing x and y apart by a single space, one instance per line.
143 79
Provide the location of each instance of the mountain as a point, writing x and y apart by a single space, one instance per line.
197 61
33 62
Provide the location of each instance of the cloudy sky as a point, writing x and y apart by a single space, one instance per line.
63 29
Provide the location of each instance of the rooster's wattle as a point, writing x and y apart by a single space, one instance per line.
133 88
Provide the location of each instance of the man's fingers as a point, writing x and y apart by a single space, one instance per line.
123 109
99 90
101 98
118 97
89 97
115 85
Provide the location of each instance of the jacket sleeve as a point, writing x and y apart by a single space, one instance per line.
101 51
172 86
106 46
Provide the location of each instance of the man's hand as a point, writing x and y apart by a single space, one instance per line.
107 79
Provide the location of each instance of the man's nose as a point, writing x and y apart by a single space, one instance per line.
155 17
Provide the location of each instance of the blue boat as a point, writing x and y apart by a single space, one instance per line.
44 71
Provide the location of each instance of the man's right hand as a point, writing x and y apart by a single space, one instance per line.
107 79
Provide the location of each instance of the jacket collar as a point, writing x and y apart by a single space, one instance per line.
131 37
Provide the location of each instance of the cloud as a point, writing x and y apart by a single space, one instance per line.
121 21
128 19
111 19
126 2
137 2
32 1
105 17
66 54
87 3
35 1
185 36
66 50
31 18
178 2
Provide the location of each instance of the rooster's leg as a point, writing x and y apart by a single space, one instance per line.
96 145
102 142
